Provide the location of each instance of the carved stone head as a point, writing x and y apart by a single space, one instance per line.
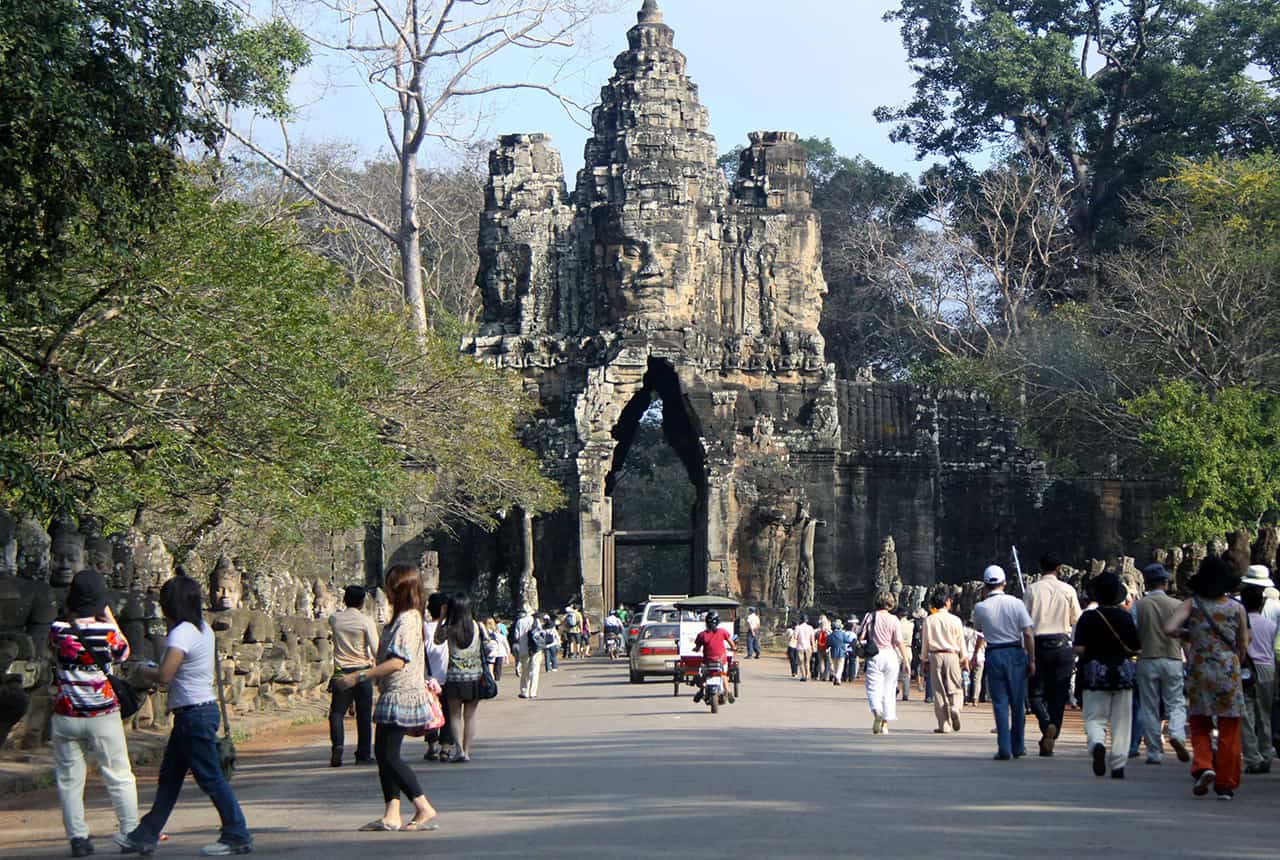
152 563
66 553
33 550
8 545
324 601
120 574
226 586
97 549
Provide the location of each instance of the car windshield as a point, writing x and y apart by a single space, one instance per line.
660 631
671 615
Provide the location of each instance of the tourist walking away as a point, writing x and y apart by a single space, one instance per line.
973 667
1054 609
86 711
466 666
572 628
1106 640
821 649
942 653
498 647
584 638
1258 696
528 666
1160 678
1216 632
439 741
838 645
805 640
883 631
1009 640
188 667
402 701
753 634
793 650
551 646
355 646
907 633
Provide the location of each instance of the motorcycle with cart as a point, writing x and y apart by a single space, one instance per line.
711 677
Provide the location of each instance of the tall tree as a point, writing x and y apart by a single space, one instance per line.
1107 92
96 102
421 62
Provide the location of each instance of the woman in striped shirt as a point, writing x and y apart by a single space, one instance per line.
86 713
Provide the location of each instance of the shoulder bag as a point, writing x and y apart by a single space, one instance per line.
128 697
868 648
488 684
1248 678
226 746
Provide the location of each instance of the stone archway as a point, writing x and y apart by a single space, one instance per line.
681 430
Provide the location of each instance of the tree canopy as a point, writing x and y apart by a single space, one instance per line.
1109 91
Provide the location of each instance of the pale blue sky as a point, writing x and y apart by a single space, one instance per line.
817 67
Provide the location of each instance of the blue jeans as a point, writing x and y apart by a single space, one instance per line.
1006 673
753 646
551 658
193 747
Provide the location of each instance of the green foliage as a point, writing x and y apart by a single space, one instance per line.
1223 451
97 100
214 372
1112 91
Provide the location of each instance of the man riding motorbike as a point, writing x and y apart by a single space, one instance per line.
715 645
612 634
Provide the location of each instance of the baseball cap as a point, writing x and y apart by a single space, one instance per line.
993 575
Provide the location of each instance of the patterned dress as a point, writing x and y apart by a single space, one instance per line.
1213 668
402 695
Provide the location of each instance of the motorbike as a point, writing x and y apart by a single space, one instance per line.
712 687
613 644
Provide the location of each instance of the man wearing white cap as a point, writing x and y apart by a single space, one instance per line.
1259 698
1006 625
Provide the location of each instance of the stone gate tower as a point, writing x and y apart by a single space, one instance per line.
654 278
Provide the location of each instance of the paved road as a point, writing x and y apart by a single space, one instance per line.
597 767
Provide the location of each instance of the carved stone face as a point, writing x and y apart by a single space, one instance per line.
8 545
97 549
33 550
66 555
120 574
324 601
153 565
226 587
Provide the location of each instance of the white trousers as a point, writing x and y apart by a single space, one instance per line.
530 671
1114 709
103 735
882 684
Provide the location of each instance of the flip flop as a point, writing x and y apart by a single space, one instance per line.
427 825
379 826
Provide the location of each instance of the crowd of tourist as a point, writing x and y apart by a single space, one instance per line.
1140 667
1200 671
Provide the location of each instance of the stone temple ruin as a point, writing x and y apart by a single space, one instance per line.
657 279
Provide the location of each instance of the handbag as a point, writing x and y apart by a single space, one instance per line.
435 714
127 696
868 648
227 758
488 685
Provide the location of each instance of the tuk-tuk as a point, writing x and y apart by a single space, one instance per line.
693 612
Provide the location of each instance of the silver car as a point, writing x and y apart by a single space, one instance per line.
655 651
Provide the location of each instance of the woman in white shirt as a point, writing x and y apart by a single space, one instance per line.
187 667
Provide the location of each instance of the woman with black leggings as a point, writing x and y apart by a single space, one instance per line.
402 701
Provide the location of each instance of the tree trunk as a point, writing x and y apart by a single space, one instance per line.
410 245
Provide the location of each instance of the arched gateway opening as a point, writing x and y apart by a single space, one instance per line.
657 486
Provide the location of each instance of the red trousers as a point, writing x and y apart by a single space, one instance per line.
1226 762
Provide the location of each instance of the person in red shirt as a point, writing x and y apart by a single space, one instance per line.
715 645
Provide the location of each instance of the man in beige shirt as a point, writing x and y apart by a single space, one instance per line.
942 651
355 648
1054 609
1160 668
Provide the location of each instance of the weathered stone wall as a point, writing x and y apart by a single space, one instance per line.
270 623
